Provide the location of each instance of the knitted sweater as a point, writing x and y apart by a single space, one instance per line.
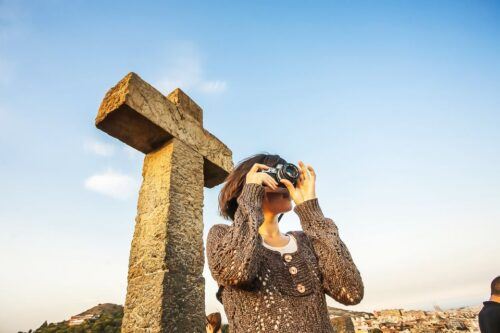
266 291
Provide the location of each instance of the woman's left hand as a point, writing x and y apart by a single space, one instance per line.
305 187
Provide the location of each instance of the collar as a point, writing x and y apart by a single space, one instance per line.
491 303
272 253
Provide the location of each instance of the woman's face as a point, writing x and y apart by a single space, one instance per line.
277 201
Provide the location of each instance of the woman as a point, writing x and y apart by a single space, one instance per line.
213 323
262 288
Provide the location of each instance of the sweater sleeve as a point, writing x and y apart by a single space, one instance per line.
232 249
341 279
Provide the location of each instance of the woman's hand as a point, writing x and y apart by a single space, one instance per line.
253 176
306 184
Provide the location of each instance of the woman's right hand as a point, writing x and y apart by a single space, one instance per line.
253 176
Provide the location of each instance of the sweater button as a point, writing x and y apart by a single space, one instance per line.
301 288
293 270
288 257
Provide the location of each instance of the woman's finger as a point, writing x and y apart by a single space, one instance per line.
303 170
298 184
271 179
302 174
289 186
306 169
258 166
270 182
311 170
266 182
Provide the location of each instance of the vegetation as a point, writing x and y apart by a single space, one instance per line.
109 321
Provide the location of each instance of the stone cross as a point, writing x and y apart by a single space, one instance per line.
166 287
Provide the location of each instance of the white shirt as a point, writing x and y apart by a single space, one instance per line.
288 248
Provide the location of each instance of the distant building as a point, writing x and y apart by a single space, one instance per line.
80 319
407 321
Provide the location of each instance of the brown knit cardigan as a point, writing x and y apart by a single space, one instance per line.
265 291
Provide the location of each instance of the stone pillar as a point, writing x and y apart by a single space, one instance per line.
165 291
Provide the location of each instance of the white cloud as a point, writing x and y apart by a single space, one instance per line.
98 148
113 184
185 71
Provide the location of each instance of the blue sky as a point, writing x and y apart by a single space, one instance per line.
395 104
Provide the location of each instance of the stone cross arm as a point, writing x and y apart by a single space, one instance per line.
136 113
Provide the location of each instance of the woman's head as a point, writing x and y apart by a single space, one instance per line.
213 322
273 201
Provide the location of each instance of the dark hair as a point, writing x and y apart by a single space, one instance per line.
495 286
214 319
237 178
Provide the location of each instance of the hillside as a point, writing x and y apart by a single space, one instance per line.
102 318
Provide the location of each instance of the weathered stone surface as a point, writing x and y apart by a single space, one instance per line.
136 113
186 104
185 303
166 287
